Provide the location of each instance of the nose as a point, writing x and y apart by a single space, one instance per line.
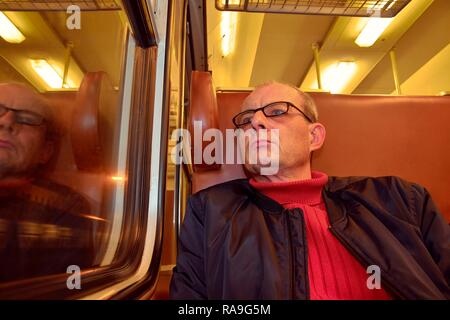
8 121
259 120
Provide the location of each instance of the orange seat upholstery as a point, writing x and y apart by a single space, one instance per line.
405 136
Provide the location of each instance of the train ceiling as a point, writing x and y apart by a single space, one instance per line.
355 8
274 46
57 5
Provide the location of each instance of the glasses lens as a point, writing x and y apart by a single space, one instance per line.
29 118
244 118
276 109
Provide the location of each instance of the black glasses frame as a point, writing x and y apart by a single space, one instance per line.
40 120
263 108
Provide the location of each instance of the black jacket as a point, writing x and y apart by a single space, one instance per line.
236 243
43 231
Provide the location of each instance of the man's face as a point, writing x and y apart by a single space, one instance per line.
294 137
22 146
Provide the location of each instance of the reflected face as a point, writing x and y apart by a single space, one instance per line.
22 146
293 129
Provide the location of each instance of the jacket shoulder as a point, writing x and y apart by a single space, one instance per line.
220 200
390 192
358 182
238 187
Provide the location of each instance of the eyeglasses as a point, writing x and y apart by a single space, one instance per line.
25 117
273 109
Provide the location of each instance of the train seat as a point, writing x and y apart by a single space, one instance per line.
406 136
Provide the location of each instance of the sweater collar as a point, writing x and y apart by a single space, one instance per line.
11 186
308 192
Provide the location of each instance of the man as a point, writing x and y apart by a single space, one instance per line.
42 230
299 234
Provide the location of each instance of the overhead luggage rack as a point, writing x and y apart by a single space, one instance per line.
57 5
354 8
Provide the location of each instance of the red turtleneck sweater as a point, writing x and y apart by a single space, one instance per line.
333 272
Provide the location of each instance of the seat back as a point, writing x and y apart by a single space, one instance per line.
405 136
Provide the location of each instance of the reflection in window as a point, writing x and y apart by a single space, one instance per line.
60 131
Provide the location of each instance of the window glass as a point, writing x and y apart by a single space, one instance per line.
61 181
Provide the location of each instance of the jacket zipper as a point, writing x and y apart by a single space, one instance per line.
361 260
291 256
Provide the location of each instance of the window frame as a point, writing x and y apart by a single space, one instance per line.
127 259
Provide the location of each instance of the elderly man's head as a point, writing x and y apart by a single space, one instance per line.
293 113
25 128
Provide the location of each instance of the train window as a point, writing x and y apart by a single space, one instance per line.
63 138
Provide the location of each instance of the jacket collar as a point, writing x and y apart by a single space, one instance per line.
336 184
265 203
303 192
336 210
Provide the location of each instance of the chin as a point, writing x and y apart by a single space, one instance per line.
253 169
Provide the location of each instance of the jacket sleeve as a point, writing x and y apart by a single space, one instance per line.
434 228
188 279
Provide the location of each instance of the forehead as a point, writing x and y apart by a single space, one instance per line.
16 96
266 94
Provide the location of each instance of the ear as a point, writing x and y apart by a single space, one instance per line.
47 152
317 136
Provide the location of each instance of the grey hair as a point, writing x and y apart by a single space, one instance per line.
310 107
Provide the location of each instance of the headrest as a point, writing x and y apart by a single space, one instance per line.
203 111
86 128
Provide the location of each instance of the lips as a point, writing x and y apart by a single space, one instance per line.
6 144
260 143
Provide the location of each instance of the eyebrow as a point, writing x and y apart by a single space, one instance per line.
266 104
7 107
25 110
